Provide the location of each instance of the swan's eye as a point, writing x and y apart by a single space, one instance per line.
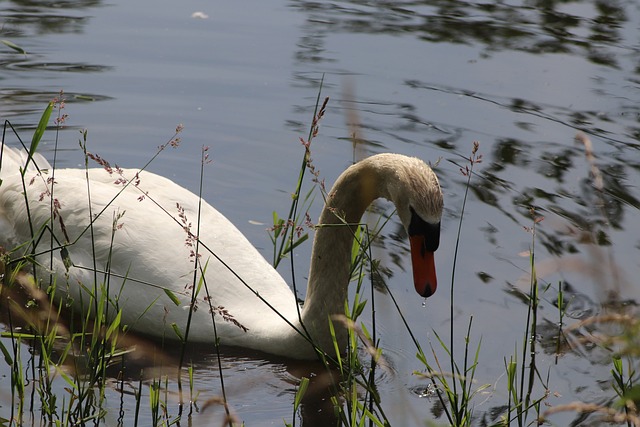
431 232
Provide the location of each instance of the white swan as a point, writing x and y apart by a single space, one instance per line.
149 249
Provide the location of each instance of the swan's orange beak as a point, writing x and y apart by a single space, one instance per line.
424 267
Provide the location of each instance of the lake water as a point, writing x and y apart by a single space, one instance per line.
424 79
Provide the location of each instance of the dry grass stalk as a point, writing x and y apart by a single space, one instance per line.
611 415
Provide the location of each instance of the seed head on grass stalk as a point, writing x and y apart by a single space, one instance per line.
456 403
287 234
284 231
460 407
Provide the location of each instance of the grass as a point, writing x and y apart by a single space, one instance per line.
75 368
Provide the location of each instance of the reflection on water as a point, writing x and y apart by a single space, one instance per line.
21 104
591 29
26 24
23 19
522 77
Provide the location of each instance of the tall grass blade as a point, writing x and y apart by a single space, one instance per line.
6 354
302 389
13 46
174 299
176 329
38 133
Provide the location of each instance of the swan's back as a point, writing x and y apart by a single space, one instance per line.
12 160
143 235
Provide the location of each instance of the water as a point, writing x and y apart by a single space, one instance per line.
425 79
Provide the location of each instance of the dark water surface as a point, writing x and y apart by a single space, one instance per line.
423 78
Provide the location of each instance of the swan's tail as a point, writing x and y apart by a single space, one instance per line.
12 160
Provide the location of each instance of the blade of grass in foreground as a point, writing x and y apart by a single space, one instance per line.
38 133
13 46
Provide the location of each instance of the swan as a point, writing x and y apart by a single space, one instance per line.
143 241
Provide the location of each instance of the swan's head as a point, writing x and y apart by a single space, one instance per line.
418 198
412 186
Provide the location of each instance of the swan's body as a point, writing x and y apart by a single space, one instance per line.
148 251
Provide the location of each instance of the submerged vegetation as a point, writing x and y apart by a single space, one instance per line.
72 369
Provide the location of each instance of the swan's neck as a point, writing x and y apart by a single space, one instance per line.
329 272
